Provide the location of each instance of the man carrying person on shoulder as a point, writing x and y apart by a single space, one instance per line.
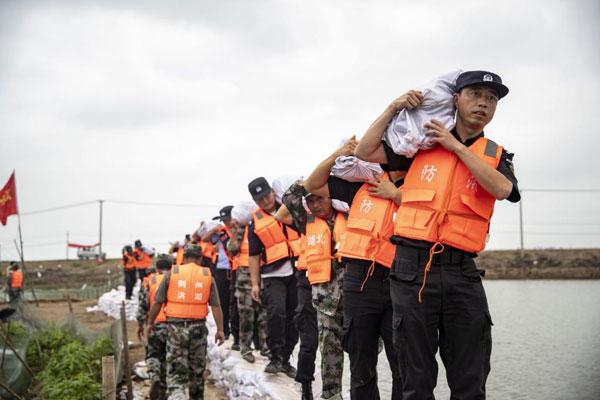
268 242
443 222
367 255
252 316
322 232
143 256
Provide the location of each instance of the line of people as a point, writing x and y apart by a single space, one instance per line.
355 267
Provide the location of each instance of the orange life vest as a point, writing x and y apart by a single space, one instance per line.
270 232
443 203
368 229
243 257
188 292
317 249
129 263
209 252
154 281
179 256
301 262
16 279
293 241
144 259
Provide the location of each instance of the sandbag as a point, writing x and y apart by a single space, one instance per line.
242 212
283 183
405 133
351 169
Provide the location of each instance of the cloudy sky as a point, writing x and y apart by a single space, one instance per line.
184 102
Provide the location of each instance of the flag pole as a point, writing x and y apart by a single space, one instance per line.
23 260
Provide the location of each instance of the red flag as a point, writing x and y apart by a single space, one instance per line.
8 199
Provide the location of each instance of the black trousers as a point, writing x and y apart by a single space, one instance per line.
234 316
142 273
129 278
453 316
368 316
306 322
222 277
280 300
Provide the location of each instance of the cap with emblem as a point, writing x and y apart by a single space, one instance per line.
483 78
224 214
259 188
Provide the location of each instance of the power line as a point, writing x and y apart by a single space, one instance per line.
59 207
143 203
562 190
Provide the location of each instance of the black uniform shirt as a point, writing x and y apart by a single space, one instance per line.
257 248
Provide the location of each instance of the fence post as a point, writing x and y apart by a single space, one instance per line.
126 352
109 385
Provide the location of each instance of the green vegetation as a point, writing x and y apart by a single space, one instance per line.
67 368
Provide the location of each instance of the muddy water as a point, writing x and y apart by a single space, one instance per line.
546 342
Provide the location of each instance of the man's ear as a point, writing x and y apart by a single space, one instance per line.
455 99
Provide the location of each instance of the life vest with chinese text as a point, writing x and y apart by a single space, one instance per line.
188 292
443 203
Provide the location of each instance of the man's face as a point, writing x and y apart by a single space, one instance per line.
267 202
319 206
476 106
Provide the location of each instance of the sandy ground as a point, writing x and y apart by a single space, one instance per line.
99 322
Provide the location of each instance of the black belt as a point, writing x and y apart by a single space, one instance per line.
186 322
449 256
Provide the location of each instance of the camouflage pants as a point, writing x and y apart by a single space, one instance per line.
156 352
251 313
186 359
332 352
14 296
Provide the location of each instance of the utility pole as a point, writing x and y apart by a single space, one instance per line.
100 232
67 245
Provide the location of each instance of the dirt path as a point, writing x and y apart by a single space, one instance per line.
98 322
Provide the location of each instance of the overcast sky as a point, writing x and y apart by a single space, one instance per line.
187 101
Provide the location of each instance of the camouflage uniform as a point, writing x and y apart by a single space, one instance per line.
186 358
250 312
327 300
186 348
252 316
156 344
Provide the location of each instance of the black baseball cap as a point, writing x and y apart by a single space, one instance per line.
224 214
259 188
483 78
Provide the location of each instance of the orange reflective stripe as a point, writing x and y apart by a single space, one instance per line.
16 279
154 282
188 292
368 229
443 203
270 233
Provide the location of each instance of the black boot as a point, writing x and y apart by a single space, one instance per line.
274 366
307 391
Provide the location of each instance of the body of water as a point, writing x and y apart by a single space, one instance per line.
546 342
